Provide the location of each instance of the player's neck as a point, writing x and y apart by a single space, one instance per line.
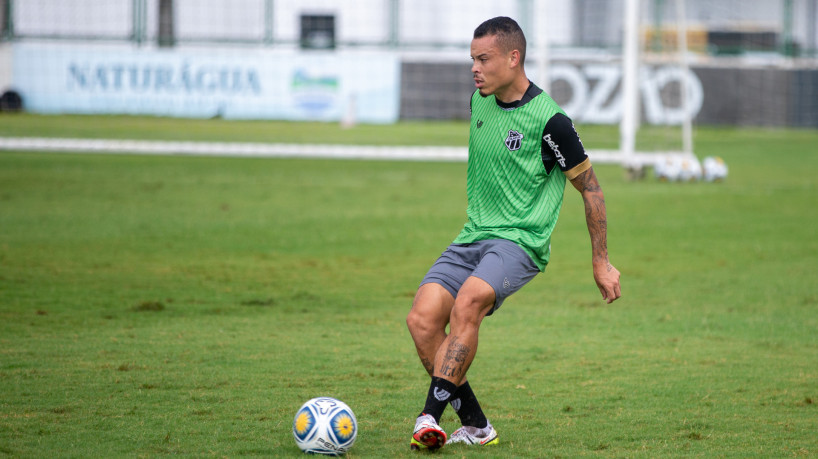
514 91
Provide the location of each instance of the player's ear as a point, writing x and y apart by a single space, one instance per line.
514 58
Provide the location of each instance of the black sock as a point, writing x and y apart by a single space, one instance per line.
467 408
440 391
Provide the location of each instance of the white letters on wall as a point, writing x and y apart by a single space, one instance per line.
595 96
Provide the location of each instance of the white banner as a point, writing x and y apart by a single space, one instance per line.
234 84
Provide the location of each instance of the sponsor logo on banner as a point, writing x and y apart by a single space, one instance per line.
162 78
314 93
234 84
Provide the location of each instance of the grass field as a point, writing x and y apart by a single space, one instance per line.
155 306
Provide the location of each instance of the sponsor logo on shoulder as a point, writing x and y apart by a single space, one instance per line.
556 149
575 132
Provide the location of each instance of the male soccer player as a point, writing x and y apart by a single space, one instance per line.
522 148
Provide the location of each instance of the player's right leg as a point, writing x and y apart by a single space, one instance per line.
427 322
427 434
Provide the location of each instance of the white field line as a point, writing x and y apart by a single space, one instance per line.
244 149
276 150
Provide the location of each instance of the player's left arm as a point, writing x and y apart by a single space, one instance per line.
605 274
562 147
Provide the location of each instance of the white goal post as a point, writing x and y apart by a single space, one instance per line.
628 155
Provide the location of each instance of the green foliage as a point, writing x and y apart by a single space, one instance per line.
152 306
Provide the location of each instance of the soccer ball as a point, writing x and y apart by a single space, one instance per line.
668 169
715 169
325 425
678 168
691 170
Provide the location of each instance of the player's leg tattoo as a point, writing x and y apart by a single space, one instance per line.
428 365
455 359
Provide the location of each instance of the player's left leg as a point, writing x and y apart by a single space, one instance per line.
468 409
475 436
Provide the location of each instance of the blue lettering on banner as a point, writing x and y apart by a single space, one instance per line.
204 80
248 84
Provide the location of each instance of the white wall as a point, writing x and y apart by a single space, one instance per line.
6 66
436 21
449 21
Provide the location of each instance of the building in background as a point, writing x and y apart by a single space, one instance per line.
765 47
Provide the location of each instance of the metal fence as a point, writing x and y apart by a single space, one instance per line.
726 27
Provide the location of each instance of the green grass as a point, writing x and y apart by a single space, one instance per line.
155 306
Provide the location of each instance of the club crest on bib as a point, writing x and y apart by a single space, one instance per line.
514 140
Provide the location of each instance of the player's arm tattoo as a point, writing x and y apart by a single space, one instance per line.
454 362
595 214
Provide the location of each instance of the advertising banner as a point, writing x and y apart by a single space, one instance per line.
233 84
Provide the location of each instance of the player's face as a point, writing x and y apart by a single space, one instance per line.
492 67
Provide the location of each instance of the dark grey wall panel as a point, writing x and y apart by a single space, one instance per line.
804 98
435 91
732 96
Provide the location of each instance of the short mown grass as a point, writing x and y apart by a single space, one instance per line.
155 306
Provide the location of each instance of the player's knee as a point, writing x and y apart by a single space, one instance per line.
470 310
430 311
420 324
412 320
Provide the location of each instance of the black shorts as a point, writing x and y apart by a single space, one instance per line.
501 263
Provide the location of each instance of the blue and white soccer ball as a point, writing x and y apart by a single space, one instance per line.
325 425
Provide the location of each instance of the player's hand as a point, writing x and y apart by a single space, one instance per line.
607 279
